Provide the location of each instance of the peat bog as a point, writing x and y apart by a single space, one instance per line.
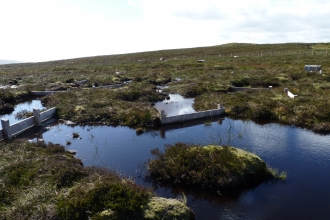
209 83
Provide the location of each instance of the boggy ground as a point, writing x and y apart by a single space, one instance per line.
131 105
9 98
212 168
209 82
43 181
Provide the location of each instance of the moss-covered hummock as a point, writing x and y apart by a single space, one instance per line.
209 167
161 208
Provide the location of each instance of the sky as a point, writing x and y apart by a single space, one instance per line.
44 30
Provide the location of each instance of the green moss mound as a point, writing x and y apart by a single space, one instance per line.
161 208
209 167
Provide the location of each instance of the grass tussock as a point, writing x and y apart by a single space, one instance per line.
103 196
32 175
208 167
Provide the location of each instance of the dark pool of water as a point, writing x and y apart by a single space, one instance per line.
304 155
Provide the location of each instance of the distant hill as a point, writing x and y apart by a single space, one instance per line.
197 52
8 61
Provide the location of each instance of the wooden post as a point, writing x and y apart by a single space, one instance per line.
162 114
36 114
6 129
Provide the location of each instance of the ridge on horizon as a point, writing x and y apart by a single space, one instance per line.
221 48
4 61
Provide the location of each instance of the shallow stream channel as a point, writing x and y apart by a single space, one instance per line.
304 155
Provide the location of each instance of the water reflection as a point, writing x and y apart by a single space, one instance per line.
171 127
217 196
176 105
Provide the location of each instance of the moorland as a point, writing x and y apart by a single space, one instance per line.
45 181
210 81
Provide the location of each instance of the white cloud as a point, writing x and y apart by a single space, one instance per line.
38 30
211 22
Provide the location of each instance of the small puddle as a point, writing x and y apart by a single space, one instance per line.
28 106
176 105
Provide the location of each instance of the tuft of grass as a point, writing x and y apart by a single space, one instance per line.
281 176
23 114
182 198
208 123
